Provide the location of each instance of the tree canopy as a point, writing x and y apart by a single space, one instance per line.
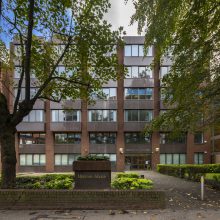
65 45
190 29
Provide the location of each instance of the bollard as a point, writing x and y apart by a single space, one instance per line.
202 188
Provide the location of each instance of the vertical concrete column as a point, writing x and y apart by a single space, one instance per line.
84 127
49 144
156 99
189 148
120 143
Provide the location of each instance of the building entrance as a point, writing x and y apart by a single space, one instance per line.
138 161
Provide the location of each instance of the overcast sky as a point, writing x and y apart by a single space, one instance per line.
120 14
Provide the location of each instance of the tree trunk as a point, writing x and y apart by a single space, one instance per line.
8 159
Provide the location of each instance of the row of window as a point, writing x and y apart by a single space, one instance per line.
68 159
180 158
105 93
137 51
59 159
104 138
132 71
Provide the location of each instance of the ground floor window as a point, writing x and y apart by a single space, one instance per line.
172 158
199 158
112 157
65 159
32 159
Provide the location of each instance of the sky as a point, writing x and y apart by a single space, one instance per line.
119 15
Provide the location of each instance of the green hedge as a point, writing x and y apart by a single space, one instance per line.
48 181
131 181
189 171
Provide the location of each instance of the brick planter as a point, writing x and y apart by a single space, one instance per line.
92 174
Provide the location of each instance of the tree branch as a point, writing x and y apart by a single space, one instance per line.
27 65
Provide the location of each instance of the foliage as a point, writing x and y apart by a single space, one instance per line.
189 171
93 157
190 30
131 181
49 33
127 175
48 181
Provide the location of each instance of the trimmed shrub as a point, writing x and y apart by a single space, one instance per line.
131 181
127 175
189 171
48 181
93 157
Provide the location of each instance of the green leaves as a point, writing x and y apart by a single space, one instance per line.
191 28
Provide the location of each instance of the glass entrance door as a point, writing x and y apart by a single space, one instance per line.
138 162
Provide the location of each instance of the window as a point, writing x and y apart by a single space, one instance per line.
199 158
136 138
165 139
172 158
17 72
65 159
106 94
139 72
102 138
67 138
62 70
112 157
32 138
139 93
102 115
17 50
137 50
33 92
198 138
65 115
138 115
32 159
164 70
34 116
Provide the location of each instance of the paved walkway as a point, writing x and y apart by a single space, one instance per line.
183 203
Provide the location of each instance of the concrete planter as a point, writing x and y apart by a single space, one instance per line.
92 174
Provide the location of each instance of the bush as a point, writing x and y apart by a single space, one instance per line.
127 175
131 181
93 157
48 181
189 171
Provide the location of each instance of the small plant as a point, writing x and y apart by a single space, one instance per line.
93 157
131 181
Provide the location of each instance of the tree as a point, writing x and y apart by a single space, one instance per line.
53 32
190 29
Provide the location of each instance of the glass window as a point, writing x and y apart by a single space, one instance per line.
182 158
32 138
139 72
65 115
175 158
164 70
35 116
169 159
162 158
17 72
136 138
198 138
22 159
150 51
135 50
102 115
141 50
32 159
65 159
67 138
138 115
199 158
102 138
134 70
127 50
